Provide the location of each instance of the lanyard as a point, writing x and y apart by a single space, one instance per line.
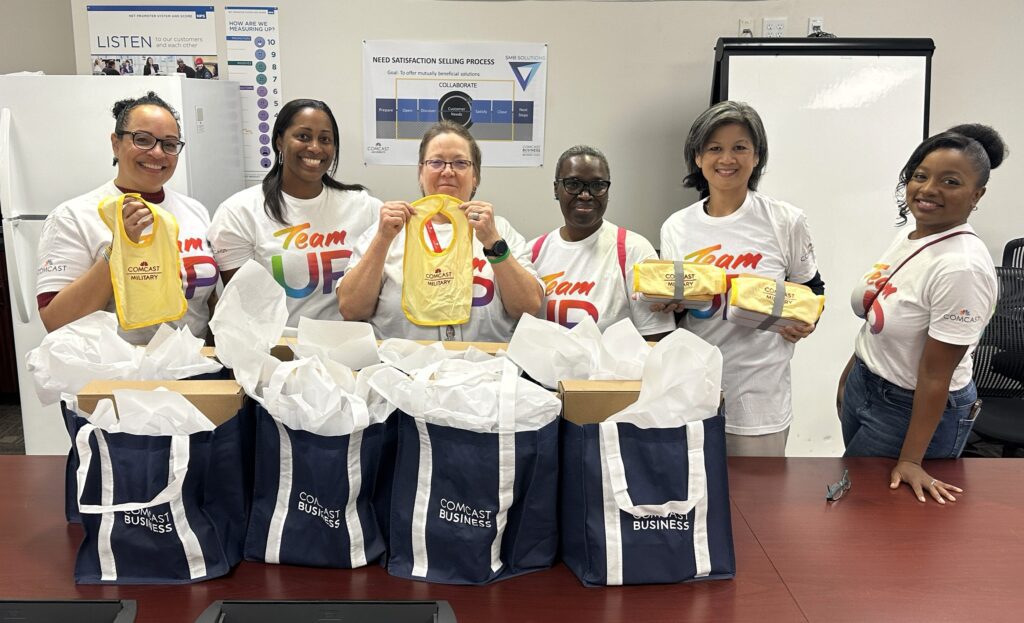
433 237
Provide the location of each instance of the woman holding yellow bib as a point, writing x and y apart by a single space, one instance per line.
742 231
504 283
74 276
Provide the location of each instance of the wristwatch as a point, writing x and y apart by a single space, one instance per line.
500 248
105 253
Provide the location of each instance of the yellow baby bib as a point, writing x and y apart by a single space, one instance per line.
669 280
754 299
146 275
437 286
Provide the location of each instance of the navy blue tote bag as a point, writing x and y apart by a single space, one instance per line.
473 503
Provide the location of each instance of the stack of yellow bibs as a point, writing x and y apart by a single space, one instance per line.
753 303
665 281
146 275
437 286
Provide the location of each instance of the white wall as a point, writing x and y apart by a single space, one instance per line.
629 78
36 36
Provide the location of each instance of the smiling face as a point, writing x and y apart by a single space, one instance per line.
583 213
145 170
942 191
459 184
728 158
307 149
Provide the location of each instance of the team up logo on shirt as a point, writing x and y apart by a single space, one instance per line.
963 316
877 291
189 263
487 293
558 309
319 264
728 261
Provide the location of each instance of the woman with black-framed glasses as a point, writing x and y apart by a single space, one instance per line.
74 248
505 284
587 264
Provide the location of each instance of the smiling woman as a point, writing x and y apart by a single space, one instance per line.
74 276
301 223
907 392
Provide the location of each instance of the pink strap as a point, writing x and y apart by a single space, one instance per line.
904 262
536 247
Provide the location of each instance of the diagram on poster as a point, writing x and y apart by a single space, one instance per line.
254 61
153 41
495 90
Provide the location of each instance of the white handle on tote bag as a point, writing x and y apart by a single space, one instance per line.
696 488
179 467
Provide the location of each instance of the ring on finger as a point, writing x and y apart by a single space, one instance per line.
474 216
932 483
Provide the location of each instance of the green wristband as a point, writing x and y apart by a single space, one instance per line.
501 258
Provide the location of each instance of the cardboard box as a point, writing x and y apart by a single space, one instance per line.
491 348
218 400
591 402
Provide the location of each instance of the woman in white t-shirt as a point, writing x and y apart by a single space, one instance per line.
738 229
587 264
74 247
505 285
300 224
907 392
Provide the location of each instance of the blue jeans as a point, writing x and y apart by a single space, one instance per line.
876 416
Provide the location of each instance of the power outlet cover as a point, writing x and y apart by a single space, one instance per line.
773 27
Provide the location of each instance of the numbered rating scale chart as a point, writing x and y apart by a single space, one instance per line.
254 62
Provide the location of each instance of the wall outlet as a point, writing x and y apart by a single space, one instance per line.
815 24
746 28
773 27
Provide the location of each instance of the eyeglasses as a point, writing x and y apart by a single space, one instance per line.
146 141
836 491
439 165
574 186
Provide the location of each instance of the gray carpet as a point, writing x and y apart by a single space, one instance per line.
12 437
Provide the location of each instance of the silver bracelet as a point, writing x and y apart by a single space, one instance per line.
105 253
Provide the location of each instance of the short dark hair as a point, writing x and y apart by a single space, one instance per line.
980 144
582 150
724 113
122 110
273 181
450 127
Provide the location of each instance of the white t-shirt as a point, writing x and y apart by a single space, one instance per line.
74 237
763 237
947 291
585 278
488 321
308 256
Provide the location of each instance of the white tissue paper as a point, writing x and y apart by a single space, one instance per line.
409 356
349 343
160 412
550 353
465 394
90 349
682 382
251 314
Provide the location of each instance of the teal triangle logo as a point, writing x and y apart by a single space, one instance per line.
524 72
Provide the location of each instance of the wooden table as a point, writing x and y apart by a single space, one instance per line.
875 555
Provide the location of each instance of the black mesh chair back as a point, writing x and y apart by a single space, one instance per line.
1004 333
1013 253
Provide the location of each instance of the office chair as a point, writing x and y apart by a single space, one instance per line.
1013 253
999 366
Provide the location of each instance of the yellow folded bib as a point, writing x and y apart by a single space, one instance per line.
146 275
437 286
666 280
753 303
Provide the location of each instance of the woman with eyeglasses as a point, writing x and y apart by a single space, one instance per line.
743 231
505 283
74 248
587 264
301 224
907 392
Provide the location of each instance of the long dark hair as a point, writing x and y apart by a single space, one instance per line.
980 144
273 195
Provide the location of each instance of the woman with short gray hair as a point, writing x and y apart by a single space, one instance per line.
743 231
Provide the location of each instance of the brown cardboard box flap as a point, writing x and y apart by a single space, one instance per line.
591 402
217 400
491 348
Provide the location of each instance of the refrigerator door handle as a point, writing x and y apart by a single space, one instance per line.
18 292
6 192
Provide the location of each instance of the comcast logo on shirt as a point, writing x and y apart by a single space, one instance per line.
964 315
438 278
143 271
49 267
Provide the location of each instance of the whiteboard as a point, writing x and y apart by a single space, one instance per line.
839 130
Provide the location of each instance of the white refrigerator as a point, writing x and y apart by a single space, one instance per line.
54 145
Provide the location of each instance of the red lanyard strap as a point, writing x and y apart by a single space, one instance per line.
882 285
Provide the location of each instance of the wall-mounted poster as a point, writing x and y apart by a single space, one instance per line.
496 90
254 61
129 40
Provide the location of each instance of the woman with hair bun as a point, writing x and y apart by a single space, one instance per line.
301 224
75 245
907 391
